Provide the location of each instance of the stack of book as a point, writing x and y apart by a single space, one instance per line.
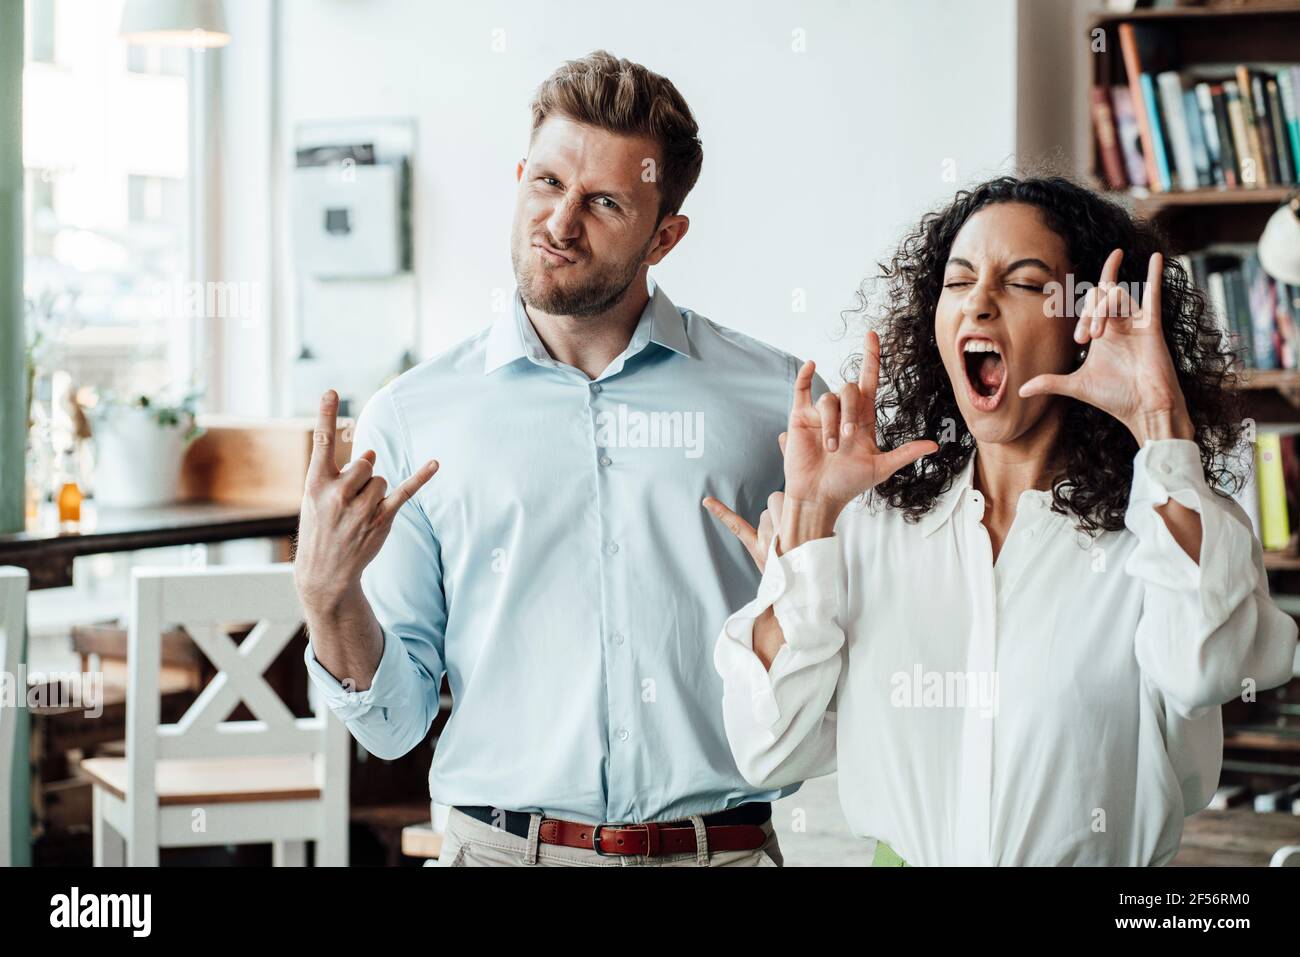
1229 126
1259 316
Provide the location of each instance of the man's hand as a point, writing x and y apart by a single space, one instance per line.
345 519
756 541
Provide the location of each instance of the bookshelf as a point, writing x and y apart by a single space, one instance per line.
1205 44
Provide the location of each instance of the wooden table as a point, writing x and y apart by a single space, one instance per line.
48 557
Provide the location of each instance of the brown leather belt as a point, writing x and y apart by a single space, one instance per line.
737 829
650 839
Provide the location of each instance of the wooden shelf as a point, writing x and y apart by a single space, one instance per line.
1281 561
1270 379
1248 737
1150 204
1103 17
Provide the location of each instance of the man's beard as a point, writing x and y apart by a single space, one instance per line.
599 293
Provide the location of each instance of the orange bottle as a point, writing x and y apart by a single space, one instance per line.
69 496
69 504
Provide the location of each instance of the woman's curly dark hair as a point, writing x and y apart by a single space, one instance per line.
916 398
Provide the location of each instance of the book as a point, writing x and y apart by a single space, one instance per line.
1227 149
1262 298
1130 139
1281 142
1145 49
1103 121
1247 158
1164 175
1169 85
1250 123
1210 133
1288 83
1264 128
1274 523
1196 133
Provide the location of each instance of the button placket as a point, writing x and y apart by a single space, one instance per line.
975 815
619 665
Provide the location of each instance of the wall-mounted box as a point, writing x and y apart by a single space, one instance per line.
347 221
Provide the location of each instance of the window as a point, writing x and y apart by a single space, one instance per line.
106 151
156 199
166 60
39 16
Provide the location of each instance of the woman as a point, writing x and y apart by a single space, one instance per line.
1016 647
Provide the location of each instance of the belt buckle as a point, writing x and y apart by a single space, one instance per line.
595 838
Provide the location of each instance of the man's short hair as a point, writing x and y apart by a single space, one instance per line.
623 97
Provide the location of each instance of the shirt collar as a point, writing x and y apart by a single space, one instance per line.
949 499
513 337
963 490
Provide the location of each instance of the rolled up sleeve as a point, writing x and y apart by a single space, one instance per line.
1209 629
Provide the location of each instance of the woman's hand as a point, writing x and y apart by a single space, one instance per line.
831 457
1128 372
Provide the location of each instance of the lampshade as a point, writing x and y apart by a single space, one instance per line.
175 23
1279 247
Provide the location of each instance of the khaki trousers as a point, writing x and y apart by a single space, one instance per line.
468 842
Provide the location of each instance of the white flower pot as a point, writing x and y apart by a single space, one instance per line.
137 460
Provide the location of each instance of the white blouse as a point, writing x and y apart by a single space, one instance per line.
1059 706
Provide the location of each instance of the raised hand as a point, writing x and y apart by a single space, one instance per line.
346 515
831 455
1129 372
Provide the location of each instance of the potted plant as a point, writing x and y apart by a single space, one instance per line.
139 443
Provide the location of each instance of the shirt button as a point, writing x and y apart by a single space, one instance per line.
612 548
618 637
1166 467
622 734
606 460
595 387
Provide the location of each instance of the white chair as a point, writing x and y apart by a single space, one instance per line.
206 780
1288 856
13 618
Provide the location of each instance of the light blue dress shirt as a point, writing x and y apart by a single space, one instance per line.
561 571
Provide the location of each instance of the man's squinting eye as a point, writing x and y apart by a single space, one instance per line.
549 180
607 202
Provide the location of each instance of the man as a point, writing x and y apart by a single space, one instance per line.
560 571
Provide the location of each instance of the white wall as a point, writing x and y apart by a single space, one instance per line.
815 161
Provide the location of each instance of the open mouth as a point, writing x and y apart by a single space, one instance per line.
986 373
